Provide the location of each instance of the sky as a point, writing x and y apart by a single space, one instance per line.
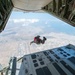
23 27
45 20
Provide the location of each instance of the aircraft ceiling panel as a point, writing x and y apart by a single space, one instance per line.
30 4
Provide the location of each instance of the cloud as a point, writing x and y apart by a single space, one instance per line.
61 38
24 20
20 47
53 20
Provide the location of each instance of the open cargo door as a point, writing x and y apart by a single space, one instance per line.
6 7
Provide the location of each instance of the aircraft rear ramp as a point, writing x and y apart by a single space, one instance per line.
58 61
